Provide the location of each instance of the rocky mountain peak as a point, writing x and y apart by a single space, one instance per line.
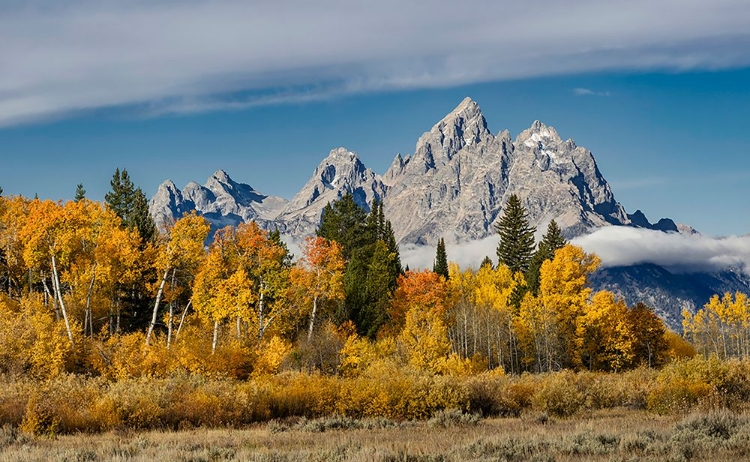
538 134
464 125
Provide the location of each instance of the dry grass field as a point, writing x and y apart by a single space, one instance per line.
616 434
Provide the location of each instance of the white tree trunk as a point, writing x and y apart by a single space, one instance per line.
171 316
156 306
182 318
58 292
216 337
312 318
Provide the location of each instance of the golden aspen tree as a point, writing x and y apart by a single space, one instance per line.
221 288
721 326
264 263
536 329
563 292
649 332
493 294
50 243
318 275
425 336
13 215
603 336
182 247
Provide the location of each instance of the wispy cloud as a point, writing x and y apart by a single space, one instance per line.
589 92
167 56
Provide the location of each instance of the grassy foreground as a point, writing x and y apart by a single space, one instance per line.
616 434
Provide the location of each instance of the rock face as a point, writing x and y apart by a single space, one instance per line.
453 186
337 174
221 200
668 292
460 175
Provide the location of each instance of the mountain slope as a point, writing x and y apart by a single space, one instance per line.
669 293
337 174
221 200
460 175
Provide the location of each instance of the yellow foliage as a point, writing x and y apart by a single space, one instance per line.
604 338
271 355
426 338
31 341
679 348
721 327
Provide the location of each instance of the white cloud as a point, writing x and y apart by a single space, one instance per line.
617 246
589 92
622 246
186 56
466 254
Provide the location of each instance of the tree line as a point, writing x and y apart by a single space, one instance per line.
93 287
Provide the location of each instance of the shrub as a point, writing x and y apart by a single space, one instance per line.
559 395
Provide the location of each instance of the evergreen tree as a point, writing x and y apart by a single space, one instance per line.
80 193
552 240
345 222
390 241
487 262
140 218
131 205
516 245
441 260
1 191
372 260
275 237
120 198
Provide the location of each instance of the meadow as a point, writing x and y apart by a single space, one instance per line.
618 434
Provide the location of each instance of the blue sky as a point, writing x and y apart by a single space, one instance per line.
659 91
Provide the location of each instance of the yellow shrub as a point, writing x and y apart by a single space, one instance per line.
558 394
271 355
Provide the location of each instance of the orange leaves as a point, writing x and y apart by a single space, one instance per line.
424 289
318 275
320 271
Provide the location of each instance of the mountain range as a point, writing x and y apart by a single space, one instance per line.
454 186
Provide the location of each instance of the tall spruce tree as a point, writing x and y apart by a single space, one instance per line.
441 260
552 240
140 218
373 261
131 205
516 245
80 193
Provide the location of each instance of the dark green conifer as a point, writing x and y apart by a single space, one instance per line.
552 240
80 193
131 205
516 245
441 260
487 262
373 261
275 237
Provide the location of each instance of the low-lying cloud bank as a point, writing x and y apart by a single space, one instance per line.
466 254
622 246
617 246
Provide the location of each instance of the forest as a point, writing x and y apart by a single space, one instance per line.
107 322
